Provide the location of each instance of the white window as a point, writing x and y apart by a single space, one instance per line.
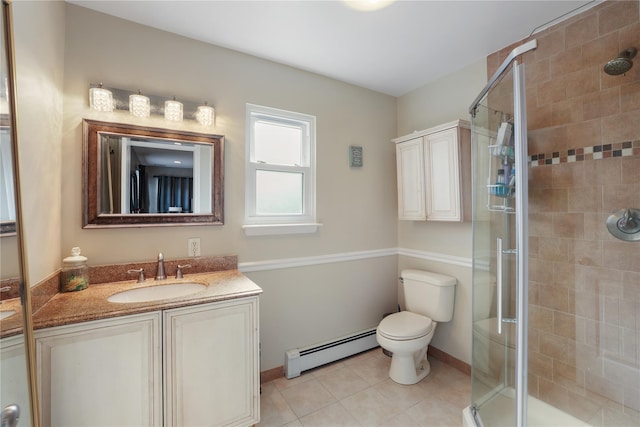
280 172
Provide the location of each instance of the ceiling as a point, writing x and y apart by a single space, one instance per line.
392 50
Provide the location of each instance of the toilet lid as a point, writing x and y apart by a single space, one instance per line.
405 325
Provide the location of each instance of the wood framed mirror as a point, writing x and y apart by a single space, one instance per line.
136 176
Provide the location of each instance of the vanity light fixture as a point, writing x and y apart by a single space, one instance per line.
100 99
145 106
205 115
139 105
173 110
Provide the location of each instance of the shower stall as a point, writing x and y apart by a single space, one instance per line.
500 395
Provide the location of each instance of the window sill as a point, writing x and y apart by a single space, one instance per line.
274 229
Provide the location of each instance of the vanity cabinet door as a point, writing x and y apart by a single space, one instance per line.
101 373
211 364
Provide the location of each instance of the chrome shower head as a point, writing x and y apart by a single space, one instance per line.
622 63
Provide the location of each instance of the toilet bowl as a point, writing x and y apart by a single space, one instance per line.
407 336
428 298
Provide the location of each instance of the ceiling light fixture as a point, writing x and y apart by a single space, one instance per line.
368 5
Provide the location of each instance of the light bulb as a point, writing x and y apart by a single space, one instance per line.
173 110
139 105
100 99
205 115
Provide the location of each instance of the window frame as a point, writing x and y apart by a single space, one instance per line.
273 223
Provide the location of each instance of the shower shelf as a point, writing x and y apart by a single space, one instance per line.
499 196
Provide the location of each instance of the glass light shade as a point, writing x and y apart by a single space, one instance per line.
205 115
173 110
100 99
139 105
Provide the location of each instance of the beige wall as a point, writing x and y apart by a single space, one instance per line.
39 46
355 206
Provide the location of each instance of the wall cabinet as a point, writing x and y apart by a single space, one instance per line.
113 372
433 173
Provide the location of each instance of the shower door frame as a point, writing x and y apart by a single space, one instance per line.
521 212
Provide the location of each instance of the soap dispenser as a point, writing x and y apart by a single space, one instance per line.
75 273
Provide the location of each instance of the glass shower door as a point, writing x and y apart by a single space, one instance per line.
499 389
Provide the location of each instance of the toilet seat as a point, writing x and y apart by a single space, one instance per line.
405 325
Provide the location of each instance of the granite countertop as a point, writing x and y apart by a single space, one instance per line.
11 325
92 304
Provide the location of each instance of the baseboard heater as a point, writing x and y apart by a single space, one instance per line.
302 359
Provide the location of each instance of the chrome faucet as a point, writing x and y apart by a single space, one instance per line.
160 272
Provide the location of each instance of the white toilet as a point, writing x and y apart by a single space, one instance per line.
428 298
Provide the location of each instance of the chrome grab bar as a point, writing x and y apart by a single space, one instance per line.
499 282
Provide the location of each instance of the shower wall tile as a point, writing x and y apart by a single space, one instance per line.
551 91
554 298
621 127
564 325
583 30
612 17
607 172
586 252
601 104
552 249
600 50
584 134
585 200
567 175
540 225
621 256
583 81
630 97
564 273
554 346
565 112
568 225
559 200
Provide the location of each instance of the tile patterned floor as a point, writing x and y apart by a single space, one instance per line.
358 392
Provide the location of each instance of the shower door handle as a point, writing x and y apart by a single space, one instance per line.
499 282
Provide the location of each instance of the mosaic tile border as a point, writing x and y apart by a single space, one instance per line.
596 152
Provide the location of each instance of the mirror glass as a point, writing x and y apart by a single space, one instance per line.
147 176
14 316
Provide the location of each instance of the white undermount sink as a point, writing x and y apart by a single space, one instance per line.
157 292
6 313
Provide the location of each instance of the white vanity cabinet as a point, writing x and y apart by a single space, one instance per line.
211 368
433 173
101 373
188 366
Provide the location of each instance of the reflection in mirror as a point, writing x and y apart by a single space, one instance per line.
7 197
154 176
144 176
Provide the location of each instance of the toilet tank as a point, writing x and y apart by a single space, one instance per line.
429 294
